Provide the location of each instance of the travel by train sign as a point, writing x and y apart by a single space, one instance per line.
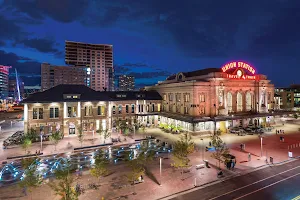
239 70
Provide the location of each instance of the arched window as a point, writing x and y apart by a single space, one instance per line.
239 102
248 101
229 102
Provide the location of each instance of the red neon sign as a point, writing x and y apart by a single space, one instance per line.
242 65
4 69
245 77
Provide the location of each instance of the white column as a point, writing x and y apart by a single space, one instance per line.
78 109
65 110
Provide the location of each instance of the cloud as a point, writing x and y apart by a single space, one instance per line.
43 45
9 29
60 10
24 66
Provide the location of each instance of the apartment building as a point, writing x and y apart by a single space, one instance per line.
97 58
126 83
52 75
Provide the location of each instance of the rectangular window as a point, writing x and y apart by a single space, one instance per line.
186 97
147 108
41 113
170 96
158 107
72 111
178 97
38 113
127 108
132 108
202 98
54 113
114 109
153 107
88 110
164 97
35 113
101 110
120 109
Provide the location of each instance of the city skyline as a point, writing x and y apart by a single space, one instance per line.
147 37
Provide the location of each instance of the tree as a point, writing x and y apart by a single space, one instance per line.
64 187
80 135
106 134
100 166
31 179
32 134
136 171
221 149
55 137
182 148
26 144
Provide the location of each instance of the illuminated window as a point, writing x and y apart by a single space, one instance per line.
88 110
202 98
164 97
186 110
170 96
178 97
101 110
186 97
38 113
54 113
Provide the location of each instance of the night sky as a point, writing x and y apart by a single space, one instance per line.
155 38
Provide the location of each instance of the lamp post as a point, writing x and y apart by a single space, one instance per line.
261 149
41 135
202 149
160 161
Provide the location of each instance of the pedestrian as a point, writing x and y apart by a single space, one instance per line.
24 191
241 147
36 152
249 157
233 164
39 152
209 144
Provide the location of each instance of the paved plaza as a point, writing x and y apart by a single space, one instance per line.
115 185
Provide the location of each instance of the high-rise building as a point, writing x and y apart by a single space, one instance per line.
56 75
97 58
4 73
126 83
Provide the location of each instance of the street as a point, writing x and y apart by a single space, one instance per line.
273 182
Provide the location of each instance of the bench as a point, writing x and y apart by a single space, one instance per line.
200 166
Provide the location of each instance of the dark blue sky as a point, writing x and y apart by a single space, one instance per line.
155 38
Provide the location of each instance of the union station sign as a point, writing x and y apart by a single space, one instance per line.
239 70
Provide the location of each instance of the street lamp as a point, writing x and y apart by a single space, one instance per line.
261 142
160 160
202 149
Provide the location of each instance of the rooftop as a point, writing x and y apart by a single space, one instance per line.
67 93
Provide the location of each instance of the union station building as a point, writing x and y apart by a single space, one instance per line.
217 98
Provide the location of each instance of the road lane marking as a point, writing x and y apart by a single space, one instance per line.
253 183
266 186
